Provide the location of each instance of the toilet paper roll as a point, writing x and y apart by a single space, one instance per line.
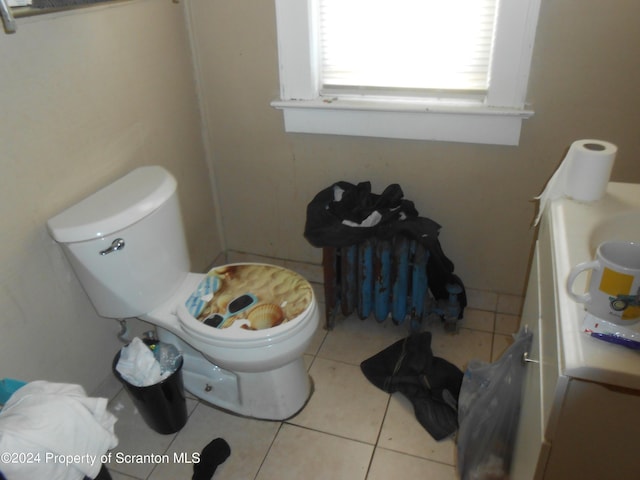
583 174
589 169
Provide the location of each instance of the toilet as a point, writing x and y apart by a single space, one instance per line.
242 328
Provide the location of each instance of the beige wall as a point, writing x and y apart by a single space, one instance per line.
84 98
584 83
89 95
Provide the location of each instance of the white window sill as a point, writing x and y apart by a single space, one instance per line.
404 120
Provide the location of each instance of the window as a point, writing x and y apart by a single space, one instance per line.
369 67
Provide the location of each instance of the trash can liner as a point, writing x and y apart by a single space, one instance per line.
138 365
432 384
345 214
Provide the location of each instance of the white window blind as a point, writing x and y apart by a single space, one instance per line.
388 46
449 70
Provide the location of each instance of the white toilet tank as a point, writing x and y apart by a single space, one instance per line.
126 243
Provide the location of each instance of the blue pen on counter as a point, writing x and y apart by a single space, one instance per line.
617 339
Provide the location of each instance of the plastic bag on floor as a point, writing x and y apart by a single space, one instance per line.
488 413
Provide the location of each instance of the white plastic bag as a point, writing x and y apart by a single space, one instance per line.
138 365
489 411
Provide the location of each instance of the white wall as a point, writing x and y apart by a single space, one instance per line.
85 97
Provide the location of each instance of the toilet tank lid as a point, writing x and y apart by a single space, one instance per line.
116 206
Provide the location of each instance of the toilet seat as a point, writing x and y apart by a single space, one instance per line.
239 337
269 292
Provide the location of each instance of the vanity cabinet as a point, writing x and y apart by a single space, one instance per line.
573 425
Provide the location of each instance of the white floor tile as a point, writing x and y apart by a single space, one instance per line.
500 344
343 403
398 466
248 439
299 453
461 347
318 337
478 320
136 438
481 299
353 340
507 323
403 433
310 271
511 304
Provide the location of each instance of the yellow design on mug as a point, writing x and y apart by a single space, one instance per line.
631 313
615 283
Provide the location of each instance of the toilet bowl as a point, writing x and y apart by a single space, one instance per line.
257 373
242 328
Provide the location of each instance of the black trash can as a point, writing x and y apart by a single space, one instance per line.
162 405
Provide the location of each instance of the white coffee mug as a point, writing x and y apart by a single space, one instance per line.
614 288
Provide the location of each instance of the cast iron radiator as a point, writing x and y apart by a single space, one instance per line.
384 278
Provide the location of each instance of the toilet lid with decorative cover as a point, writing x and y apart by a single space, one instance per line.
249 296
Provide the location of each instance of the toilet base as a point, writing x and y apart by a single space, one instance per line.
270 395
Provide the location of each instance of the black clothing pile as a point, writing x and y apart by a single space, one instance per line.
432 384
345 214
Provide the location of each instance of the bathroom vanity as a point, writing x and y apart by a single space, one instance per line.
580 414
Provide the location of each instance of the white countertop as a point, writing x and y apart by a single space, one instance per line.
577 229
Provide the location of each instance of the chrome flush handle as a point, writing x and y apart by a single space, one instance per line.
117 244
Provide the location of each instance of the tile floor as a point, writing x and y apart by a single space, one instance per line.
349 430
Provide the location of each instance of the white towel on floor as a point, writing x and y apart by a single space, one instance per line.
57 425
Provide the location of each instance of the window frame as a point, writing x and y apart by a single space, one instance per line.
496 119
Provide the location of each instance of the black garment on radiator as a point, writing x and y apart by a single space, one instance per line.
432 384
333 212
